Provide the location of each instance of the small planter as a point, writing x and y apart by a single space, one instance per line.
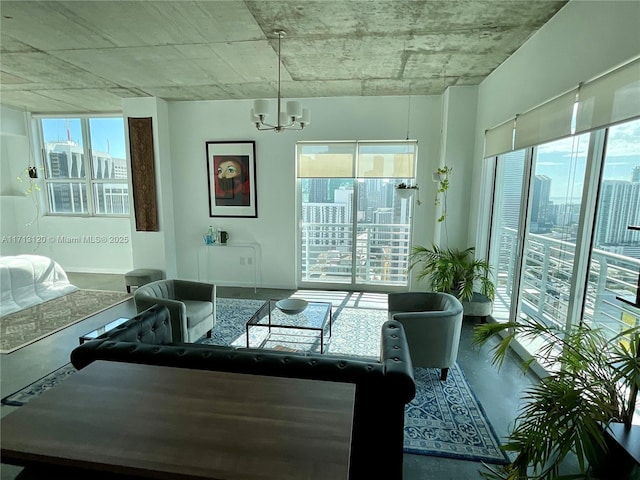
405 192
478 306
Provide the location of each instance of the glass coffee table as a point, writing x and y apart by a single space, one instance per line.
276 327
93 334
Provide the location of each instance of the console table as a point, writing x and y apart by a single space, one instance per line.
145 421
207 260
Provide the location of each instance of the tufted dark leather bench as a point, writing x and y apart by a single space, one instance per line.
382 387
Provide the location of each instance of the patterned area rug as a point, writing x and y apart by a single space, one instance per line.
355 331
445 419
26 326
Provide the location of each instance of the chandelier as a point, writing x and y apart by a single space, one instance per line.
293 118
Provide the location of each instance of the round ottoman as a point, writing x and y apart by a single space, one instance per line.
141 276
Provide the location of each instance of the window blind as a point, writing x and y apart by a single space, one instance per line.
499 139
549 121
606 100
609 99
386 160
325 160
357 160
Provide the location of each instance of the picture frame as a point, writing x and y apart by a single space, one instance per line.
231 178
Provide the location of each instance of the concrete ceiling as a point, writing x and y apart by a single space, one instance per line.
84 56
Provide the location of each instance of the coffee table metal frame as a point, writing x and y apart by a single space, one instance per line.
314 318
93 334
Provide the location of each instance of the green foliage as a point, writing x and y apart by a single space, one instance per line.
443 186
588 386
453 271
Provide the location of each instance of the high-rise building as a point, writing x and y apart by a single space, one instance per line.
618 208
65 160
541 220
635 174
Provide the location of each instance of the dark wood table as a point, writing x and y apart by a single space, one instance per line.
162 422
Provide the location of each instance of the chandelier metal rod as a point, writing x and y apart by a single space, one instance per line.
280 34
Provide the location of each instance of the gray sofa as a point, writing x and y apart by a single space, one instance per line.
383 387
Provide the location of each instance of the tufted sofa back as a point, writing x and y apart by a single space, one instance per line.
151 327
382 387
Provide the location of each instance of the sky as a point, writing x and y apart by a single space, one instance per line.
103 129
564 161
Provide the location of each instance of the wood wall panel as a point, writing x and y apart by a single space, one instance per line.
145 199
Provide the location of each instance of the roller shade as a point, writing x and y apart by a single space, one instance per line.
499 139
357 159
549 121
325 160
609 99
396 160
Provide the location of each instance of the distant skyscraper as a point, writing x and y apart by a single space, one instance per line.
619 207
635 175
540 205
66 160
319 191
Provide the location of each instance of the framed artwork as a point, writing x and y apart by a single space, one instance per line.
231 174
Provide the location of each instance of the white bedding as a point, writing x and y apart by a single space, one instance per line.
26 280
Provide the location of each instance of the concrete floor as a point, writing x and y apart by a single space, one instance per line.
498 391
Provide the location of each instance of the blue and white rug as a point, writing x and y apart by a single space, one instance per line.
445 419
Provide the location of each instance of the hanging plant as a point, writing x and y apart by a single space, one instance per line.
403 186
30 175
441 175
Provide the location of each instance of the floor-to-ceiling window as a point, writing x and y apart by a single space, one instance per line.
615 255
551 229
354 229
507 200
542 219
566 189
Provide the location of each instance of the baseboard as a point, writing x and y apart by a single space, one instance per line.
108 271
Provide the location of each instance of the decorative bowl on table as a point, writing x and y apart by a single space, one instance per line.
292 306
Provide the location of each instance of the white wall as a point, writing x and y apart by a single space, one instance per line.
26 229
13 145
458 129
351 118
582 41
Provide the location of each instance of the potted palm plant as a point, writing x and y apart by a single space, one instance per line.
457 272
593 381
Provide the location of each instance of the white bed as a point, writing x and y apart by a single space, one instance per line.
26 280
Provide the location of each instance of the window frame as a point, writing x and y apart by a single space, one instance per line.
88 182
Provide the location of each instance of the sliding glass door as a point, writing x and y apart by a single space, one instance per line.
354 229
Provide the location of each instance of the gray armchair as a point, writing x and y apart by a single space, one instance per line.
432 322
192 306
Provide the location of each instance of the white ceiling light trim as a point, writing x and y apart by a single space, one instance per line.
293 118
